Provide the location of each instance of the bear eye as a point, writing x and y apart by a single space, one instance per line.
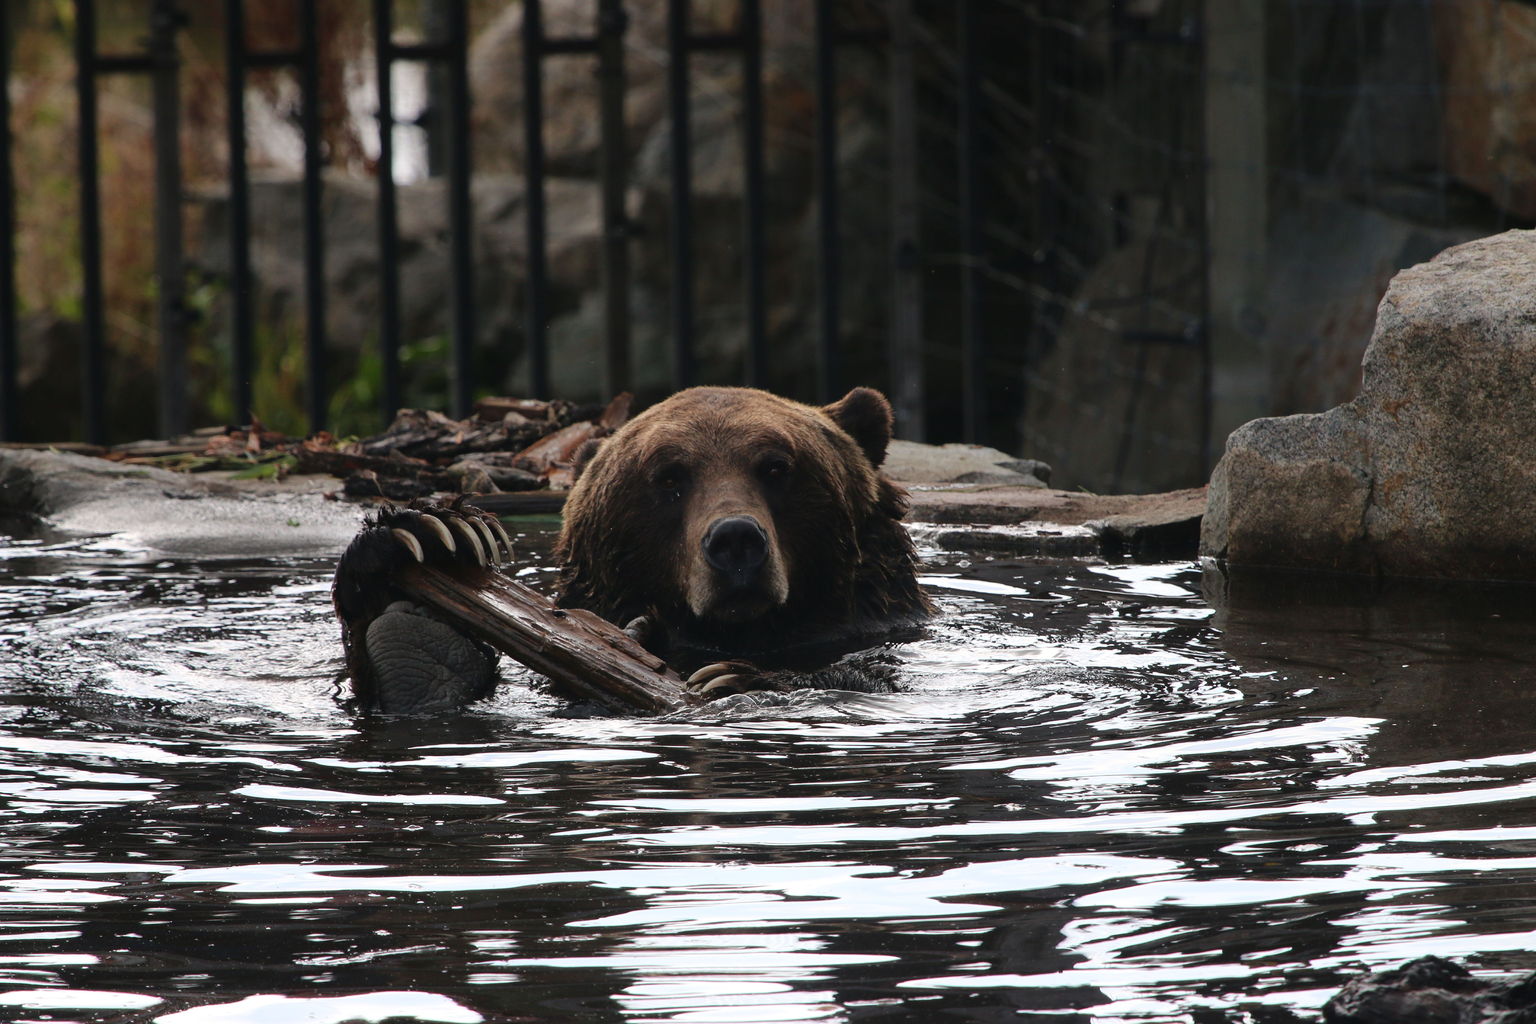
774 469
670 479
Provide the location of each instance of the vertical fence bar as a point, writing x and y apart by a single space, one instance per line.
314 224
830 300
460 208
612 23
93 375
906 351
533 128
388 212
8 317
971 283
754 228
241 314
434 25
682 194
170 307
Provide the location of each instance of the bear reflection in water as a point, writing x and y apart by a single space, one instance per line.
737 534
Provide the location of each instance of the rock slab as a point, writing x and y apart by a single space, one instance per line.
1431 470
1430 990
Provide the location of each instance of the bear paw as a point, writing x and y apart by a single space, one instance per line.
377 625
727 678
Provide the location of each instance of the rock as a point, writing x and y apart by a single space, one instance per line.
143 508
1428 471
1430 990
914 463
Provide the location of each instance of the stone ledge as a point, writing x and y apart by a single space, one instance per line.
215 515
1025 520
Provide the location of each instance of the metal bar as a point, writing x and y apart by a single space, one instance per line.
829 307
859 37
170 308
715 41
567 45
240 309
613 173
419 51
269 59
122 64
754 228
460 209
93 373
972 393
533 128
434 25
906 332
8 317
388 214
683 369
314 225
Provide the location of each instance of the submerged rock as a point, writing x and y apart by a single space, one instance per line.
1430 990
1429 470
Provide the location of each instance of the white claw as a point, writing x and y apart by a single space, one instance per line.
466 531
495 526
492 549
708 672
443 534
723 685
412 545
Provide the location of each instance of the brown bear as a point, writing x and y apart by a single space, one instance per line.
721 523
735 521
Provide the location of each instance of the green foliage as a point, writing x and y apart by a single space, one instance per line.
267 469
355 404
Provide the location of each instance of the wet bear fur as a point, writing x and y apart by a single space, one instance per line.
816 551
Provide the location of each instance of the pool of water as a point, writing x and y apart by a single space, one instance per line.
1108 792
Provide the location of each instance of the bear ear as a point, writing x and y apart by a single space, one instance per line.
865 415
584 455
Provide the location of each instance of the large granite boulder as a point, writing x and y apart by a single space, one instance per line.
1431 469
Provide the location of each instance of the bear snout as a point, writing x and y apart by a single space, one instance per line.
737 573
737 546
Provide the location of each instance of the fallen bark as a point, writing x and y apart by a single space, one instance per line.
583 655
519 503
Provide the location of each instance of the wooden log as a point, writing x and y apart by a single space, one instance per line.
519 503
583 655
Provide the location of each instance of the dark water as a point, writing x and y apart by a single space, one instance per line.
1099 800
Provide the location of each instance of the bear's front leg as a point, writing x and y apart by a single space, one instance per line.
401 658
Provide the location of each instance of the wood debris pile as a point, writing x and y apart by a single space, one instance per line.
505 445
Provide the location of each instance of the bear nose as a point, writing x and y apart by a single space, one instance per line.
737 546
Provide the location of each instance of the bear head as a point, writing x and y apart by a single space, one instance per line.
743 521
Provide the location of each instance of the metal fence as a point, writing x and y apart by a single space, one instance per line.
1103 233
160 61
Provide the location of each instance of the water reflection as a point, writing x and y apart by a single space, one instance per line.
1107 793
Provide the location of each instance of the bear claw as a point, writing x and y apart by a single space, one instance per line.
444 536
493 550
471 537
412 545
726 678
